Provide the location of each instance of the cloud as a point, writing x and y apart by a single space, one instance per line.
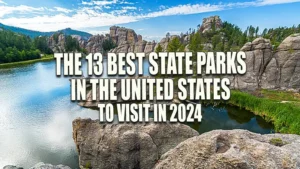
98 32
5 10
99 3
90 15
2 2
273 2
129 7
185 9
64 10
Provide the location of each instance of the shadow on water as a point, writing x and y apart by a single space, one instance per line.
228 117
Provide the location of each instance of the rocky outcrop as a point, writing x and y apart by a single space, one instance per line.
234 149
82 42
210 22
287 61
128 41
40 165
57 43
94 44
121 35
149 47
268 69
259 54
126 145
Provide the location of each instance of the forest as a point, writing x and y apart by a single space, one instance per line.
229 38
15 47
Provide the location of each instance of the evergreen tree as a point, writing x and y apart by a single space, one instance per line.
174 45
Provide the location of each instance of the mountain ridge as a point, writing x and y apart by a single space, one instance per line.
33 33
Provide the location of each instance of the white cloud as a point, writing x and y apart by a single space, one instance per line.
91 17
98 32
273 2
185 9
64 10
151 38
100 3
5 10
2 2
129 7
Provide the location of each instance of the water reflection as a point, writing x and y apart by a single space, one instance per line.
230 117
36 117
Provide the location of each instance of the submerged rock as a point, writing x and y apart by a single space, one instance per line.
234 149
127 146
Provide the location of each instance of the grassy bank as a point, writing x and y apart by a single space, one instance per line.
284 115
26 62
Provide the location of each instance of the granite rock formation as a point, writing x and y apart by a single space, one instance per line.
126 145
269 69
234 149
210 22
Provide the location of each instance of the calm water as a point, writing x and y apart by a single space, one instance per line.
36 117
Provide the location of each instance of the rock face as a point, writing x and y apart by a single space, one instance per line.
210 22
125 145
57 44
288 62
268 69
40 165
128 41
94 44
234 149
121 35
82 42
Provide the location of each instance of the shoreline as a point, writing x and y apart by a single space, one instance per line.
26 62
284 115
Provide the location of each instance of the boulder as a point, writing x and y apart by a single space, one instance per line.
126 145
234 149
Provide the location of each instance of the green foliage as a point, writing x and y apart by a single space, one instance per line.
88 165
231 38
277 142
285 116
15 47
279 34
71 44
158 49
108 44
26 62
174 45
41 44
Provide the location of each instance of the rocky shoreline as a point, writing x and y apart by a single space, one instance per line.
174 145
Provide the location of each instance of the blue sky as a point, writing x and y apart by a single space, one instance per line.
150 18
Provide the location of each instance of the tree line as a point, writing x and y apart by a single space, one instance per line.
228 38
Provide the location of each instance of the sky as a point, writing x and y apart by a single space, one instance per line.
150 18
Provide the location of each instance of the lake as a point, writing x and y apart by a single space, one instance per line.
36 117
